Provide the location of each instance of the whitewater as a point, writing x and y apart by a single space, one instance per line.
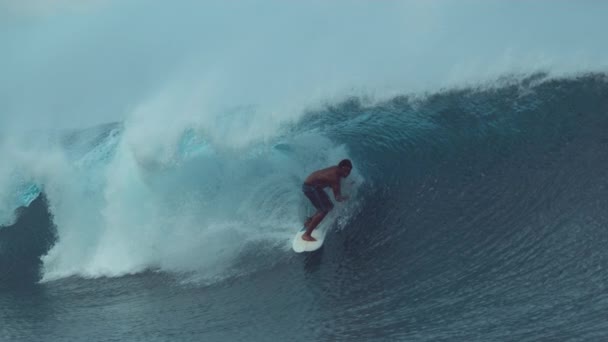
152 158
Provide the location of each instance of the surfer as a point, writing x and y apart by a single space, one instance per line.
313 189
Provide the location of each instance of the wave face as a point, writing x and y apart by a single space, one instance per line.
476 214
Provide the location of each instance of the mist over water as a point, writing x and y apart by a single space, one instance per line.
76 64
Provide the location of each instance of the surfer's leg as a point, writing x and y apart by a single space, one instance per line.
319 200
314 222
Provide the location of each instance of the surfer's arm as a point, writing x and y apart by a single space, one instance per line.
335 187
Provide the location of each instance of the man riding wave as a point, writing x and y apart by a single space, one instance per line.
313 189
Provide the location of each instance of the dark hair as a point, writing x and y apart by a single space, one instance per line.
345 162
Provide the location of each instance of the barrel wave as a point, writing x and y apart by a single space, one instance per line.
476 213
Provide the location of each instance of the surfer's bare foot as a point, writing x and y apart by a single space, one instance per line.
307 223
308 238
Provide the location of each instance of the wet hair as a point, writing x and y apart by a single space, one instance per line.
345 163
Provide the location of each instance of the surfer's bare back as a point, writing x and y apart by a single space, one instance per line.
313 189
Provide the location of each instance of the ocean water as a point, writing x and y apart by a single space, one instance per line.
478 198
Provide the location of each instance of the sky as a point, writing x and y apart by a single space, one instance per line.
78 63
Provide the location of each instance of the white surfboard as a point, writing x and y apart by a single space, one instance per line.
300 245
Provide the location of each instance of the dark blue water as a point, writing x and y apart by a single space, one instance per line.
482 218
